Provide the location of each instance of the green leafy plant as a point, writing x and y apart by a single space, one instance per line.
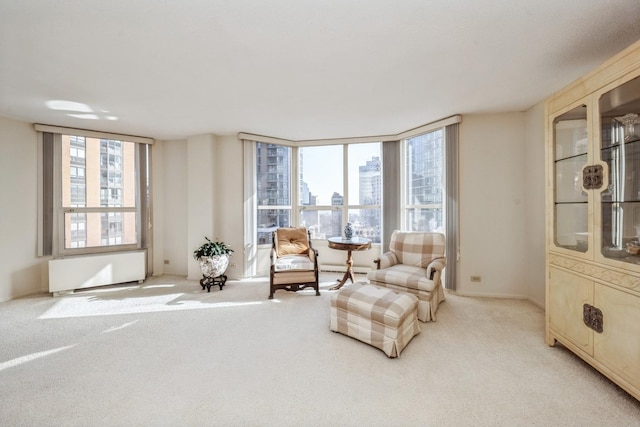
211 248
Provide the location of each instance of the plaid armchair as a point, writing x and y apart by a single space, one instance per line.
294 262
414 265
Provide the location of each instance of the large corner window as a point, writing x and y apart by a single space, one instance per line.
100 188
323 184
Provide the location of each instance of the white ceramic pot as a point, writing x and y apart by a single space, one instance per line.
215 265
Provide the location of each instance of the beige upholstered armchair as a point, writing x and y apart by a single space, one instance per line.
414 265
294 262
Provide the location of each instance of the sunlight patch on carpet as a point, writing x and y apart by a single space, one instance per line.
33 356
88 306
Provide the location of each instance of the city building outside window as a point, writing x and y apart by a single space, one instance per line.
424 182
273 176
335 184
99 193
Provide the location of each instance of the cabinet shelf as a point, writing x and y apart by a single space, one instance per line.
576 156
571 203
635 144
624 202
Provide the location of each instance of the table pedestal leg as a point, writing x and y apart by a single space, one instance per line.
347 275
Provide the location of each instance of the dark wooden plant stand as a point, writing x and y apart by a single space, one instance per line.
208 282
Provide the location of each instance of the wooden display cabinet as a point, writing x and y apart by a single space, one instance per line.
593 219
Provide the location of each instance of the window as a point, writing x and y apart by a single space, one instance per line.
328 193
99 192
321 180
424 182
365 190
340 184
273 187
95 192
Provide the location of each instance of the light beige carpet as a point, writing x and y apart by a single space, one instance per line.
165 353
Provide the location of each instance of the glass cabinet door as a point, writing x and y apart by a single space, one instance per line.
570 201
620 149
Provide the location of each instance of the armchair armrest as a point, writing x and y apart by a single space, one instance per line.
313 255
386 260
435 267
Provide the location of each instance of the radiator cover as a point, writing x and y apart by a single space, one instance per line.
87 271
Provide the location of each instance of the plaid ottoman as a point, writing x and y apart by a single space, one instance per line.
375 315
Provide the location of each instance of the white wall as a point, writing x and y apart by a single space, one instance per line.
173 189
534 204
502 212
229 200
207 188
493 205
21 271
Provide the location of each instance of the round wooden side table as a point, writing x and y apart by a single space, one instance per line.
349 245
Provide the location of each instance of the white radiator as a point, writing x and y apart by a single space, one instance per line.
87 271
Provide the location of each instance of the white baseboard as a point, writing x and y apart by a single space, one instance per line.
488 295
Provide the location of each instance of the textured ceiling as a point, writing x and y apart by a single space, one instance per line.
296 69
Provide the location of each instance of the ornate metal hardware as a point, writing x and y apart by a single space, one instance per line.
592 177
592 317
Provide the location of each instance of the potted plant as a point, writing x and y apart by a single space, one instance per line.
214 259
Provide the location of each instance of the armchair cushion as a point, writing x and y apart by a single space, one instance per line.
292 241
417 249
407 276
293 262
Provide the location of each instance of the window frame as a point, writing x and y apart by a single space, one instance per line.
346 206
261 207
295 181
406 204
52 225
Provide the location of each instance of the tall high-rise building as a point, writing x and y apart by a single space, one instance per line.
337 199
98 173
425 171
273 169
369 182
370 193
